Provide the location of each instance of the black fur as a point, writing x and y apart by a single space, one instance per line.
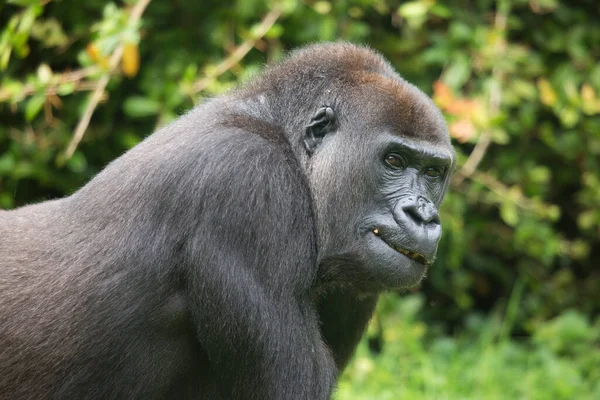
234 254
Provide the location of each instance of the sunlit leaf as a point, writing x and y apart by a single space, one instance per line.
547 93
44 73
130 63
508 213
34 105
66 88
322 7
413 10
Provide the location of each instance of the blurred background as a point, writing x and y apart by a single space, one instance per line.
511 308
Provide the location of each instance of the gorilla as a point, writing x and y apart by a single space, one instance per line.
236 253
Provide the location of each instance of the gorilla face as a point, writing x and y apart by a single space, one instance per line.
401 236
378 216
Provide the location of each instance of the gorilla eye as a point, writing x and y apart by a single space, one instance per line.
395 161
433 172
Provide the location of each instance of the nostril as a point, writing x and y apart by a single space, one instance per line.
435 219
424 215
412 213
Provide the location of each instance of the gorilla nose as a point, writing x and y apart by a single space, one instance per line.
421 212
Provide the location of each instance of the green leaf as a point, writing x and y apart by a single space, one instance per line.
288 6
77 163
129 139
440 10
7 164
413 10
49 32
34 105
322 7
587 219
540 174
137 106
4 58
508 213
569 116
65 88
553 212
275 32
23 2
6 200
458 72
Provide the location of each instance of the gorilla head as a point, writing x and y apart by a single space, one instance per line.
378 158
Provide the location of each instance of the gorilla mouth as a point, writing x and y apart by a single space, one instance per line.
420 258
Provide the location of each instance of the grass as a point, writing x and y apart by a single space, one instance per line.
561 360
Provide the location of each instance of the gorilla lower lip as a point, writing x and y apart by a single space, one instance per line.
420 258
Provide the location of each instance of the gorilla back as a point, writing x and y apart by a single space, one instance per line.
236 253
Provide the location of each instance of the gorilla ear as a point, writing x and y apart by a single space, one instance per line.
323 122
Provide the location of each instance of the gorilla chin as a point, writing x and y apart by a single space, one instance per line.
400 267
381 259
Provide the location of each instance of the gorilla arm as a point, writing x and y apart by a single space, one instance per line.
250 267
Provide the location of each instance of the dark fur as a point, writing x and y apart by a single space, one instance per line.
219 259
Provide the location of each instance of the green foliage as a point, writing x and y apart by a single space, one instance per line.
480 363
519 83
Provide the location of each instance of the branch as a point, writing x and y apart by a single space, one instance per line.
505 192
136 14
58 79
239 53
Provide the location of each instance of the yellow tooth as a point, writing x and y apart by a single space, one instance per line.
376 231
